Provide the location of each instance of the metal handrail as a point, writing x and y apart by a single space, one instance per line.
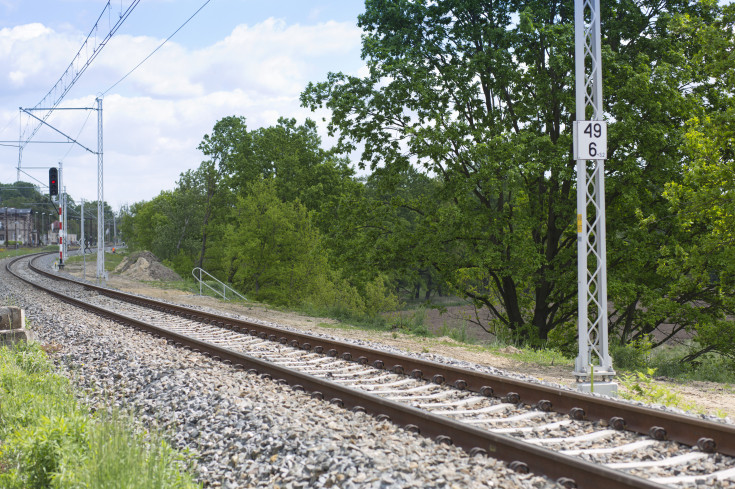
225 287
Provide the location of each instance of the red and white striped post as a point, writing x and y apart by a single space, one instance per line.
61 236
62 196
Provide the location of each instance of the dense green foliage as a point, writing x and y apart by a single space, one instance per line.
260 214
464 126
50 441
479 95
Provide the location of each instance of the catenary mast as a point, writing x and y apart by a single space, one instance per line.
590 151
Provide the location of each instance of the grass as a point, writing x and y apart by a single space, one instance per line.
112 260
51 441
8 253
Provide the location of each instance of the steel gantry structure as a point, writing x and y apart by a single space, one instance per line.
590 152
95 41
101 276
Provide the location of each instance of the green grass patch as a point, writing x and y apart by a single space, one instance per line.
11 252
457 333
51 441
409 322
112 260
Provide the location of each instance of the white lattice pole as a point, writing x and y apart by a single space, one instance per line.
590 147
100 199
83 244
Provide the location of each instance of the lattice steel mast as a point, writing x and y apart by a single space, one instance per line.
100 199
590 146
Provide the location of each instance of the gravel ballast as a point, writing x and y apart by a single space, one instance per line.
242 430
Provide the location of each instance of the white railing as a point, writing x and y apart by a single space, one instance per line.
225 287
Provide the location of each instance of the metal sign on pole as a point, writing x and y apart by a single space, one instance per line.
590 151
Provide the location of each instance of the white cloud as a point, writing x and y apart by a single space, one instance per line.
33 54
154 120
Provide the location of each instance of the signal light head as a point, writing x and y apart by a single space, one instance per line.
53 181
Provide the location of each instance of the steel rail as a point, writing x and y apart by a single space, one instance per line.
709 436
567 470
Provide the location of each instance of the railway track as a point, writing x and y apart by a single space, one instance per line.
577 440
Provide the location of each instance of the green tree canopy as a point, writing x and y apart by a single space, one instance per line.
480 96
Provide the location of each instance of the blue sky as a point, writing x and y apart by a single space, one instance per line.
236 57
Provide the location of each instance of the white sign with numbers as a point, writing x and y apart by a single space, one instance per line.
590 140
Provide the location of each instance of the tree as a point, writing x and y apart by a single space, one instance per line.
227 146
379 229
703 201
480 94
273 247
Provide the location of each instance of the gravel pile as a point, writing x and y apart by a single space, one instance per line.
244 431
144 265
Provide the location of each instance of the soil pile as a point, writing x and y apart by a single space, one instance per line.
143 265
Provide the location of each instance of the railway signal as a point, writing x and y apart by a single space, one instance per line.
53 181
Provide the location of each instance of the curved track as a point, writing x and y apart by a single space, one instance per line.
508 419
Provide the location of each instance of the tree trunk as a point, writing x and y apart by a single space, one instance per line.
541 310
512 307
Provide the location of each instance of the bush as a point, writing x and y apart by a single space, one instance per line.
563 338
41 449
410 324
379 298
632 356
711 367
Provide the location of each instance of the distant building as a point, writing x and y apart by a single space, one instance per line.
17 225
52 236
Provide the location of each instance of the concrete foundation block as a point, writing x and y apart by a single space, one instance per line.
604 388
9 337
12 318
13 326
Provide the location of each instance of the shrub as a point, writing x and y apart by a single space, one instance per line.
410 324
641 387
632 356
563 338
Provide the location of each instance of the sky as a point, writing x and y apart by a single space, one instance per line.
245 58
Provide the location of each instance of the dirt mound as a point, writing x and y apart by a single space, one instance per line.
143 265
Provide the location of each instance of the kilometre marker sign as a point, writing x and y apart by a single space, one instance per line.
591 140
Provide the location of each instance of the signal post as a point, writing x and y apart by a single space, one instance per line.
54 182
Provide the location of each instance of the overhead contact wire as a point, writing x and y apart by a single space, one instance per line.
157 48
